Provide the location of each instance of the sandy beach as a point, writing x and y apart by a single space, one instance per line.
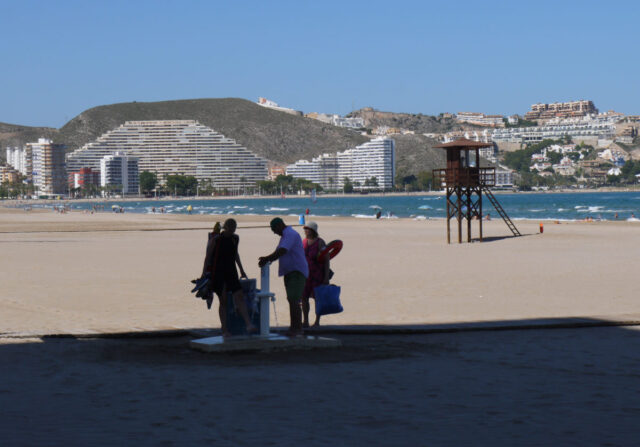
86 274
81 273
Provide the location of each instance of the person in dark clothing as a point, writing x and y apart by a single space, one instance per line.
221 259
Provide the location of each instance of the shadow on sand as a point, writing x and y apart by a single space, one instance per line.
571 381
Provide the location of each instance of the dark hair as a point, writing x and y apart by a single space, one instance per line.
229 222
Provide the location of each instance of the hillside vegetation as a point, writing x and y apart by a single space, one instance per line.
272 134
417 122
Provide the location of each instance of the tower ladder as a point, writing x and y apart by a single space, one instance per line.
501 211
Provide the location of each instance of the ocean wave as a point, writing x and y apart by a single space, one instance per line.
275 208
363 216
425 207
421 218
591 209
240 207
375 207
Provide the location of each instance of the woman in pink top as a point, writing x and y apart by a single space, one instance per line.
318 271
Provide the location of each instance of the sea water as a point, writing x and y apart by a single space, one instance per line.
537 206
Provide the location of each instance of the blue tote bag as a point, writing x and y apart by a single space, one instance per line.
328 300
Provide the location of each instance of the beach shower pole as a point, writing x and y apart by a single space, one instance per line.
265 295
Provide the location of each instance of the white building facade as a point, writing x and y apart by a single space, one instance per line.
121 171
480 119
591 127
375 158
182 147
352 123
17 159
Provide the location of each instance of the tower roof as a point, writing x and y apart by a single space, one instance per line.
463 144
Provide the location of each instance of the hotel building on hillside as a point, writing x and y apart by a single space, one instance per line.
561 110
45 166
589 127
121 171
375 158
480 119
183 147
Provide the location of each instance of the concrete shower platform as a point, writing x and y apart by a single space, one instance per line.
262 343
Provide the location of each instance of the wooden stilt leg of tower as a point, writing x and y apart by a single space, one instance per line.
480 211
459 214
468 215
448 216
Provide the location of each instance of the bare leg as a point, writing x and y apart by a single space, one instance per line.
317 322
238 299
305 312
222 312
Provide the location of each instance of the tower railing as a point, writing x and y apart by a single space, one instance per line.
466 177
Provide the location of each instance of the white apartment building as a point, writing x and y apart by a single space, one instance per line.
592 127
504 178
483 136
375 158
17 159
45 166
322 170
264 102
352 123
480 119
122 171
183 147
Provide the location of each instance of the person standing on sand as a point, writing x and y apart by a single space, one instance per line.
293 266
221 259
318 271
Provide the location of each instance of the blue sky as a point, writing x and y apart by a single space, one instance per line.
62 57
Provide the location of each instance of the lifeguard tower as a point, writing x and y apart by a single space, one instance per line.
465 181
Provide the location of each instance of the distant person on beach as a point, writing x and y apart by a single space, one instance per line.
313 244
292 264
221 259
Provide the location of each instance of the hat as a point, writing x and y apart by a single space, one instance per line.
275 222
312 226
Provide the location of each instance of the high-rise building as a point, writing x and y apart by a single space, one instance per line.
46 167
17 159
375 158
120 171
183 147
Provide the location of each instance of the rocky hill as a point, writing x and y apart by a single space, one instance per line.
419 123
14 135
275 135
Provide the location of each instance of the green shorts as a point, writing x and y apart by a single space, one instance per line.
294 285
